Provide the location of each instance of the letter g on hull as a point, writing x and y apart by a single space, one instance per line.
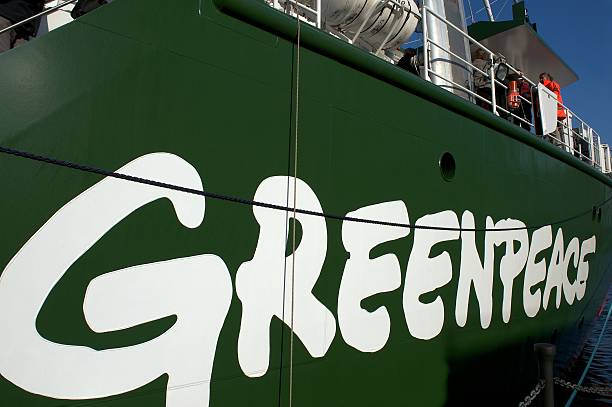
196 289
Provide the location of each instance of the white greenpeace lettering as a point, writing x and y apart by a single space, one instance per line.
535 273
557 268
196 289
364 277
472 272
481 276
513 262
262 281
572 252
425 274
588 247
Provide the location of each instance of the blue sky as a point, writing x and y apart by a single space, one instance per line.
580 32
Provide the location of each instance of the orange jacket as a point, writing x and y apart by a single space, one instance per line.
554 87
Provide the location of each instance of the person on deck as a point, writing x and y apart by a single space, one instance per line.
482 82
14 11
525 106
83 7
409 61
557 138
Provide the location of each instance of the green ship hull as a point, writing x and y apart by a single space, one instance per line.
122 293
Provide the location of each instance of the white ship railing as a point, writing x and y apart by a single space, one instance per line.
606 159
576 136
306 10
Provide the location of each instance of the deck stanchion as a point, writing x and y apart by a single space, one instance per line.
546 356
425 44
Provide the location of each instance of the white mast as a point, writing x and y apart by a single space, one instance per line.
489 11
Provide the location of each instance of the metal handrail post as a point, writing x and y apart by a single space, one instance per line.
319 14
492 77
424 12
592 145
303 7
598 156
568 132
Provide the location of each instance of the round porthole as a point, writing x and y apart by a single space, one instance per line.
447 166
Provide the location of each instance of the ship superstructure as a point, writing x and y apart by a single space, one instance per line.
444 53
